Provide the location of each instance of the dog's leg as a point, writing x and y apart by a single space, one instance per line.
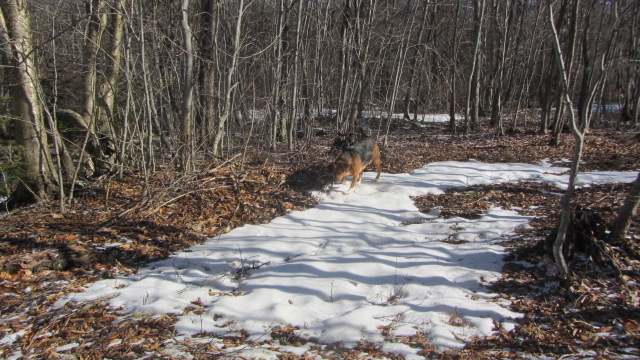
360 176
354 183
356 172
376 160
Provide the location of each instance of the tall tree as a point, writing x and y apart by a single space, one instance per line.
98 92
22 80
579 124
453 73
473 95
278 120
207 79
415 60
186 118
107 89
293 114
230 83
502 18
365 32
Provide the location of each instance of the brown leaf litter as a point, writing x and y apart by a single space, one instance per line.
122 224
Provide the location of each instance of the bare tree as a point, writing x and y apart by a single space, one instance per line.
278 121
207 79
299 59
453 74
579 125
347 38
399 65
108 87
22 80
415 59
229 84
98 93
473 95
502 20
579 142
186 123
296 66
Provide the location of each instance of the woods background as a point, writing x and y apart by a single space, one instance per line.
92 87
153 125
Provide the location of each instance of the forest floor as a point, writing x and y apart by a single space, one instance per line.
45 254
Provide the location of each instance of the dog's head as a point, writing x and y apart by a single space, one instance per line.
340 167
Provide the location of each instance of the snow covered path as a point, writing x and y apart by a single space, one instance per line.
344 269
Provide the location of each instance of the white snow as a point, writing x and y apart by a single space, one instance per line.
379 114
347 267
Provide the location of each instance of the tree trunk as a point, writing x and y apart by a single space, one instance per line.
473 96
454 69
415 62
496 105
22 77
293 117
545 92
565 217
107 90
186 121
229 84
97 22
277 129
362 73
558 123
149 114
399 68
208 93
618 233
347 44
588 91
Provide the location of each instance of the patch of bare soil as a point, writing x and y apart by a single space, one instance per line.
118 225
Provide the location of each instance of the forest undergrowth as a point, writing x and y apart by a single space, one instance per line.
112 230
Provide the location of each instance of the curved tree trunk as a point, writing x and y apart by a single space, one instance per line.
588 91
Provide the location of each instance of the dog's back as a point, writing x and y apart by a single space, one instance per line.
364 149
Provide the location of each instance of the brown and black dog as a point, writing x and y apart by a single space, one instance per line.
354 159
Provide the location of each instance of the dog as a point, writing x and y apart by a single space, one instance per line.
354 159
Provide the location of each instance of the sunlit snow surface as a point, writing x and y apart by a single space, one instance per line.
351 265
